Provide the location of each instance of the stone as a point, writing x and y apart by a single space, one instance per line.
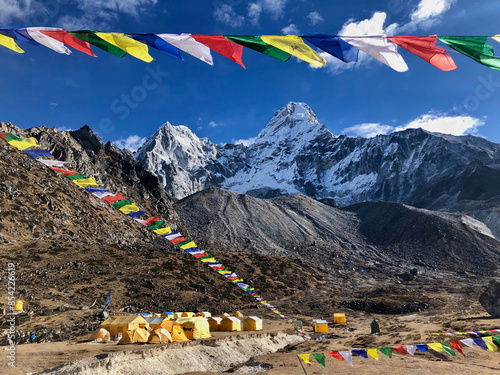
490 299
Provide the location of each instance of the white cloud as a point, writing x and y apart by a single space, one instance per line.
212 124
427 13
15 10
64 128
226 14
434 122
132 143
368 130
290 30
245 142
275 8
53 105
314 18
442 123
99 14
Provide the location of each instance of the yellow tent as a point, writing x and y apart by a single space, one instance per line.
320 326
238 314
224 315
160 336
252 323
339 318
174 328
136 335
187 314
123 323
230 324
206 314
214 323
101 335
195 327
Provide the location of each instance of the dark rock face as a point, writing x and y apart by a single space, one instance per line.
490 299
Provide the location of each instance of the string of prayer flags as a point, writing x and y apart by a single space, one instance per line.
378 48
295 46
477 333
474 47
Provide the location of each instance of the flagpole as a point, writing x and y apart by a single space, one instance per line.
301 365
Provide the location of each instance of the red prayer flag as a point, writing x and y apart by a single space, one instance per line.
401 349
63 171
201 255
222 46
178 239
335 355
70 40
113 198
3 135
425 48
151 220
458 346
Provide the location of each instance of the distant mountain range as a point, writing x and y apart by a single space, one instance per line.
294 153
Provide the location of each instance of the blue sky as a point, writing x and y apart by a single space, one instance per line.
227 103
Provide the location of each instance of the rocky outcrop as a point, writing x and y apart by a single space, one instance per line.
490 299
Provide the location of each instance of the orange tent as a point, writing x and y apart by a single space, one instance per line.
174 328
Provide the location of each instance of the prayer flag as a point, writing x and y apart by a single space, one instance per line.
179 239
474 47
295 46
222 46
378 48
305 357
372 353
172 236
24 144
257 44
75 176
448 348
129 208
63 171
361 352
320 358
435 346
425 48
401 349
490 344
85 182
387 351
91 37
36 153
163 231
189 45
9 42
136 214
70 40
155 41
183 242
47 41
113 198
119 204
411 349
481 343
52 163
468 342
131 46
347 356
189 245
151 220
18 33
457 346
333 45
156 224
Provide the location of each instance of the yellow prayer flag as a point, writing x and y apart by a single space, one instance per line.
436 346
222 272
209 260
372 353
23 145
295 46
491 345
189 245
137 49
305 357
129 208
496 37
163 231
84 182
10 43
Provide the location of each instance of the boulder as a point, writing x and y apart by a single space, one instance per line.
490 299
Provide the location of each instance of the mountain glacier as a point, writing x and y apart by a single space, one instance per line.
295 153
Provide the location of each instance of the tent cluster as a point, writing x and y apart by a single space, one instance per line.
344 48
154 223
486 343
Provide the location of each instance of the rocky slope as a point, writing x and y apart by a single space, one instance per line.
375 236
294 153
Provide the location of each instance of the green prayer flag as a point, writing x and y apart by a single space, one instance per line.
257 44
474 47
12 137
76 176
120 204
386 350
448 349
157 224
90 37
497 339
186 241
320 358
